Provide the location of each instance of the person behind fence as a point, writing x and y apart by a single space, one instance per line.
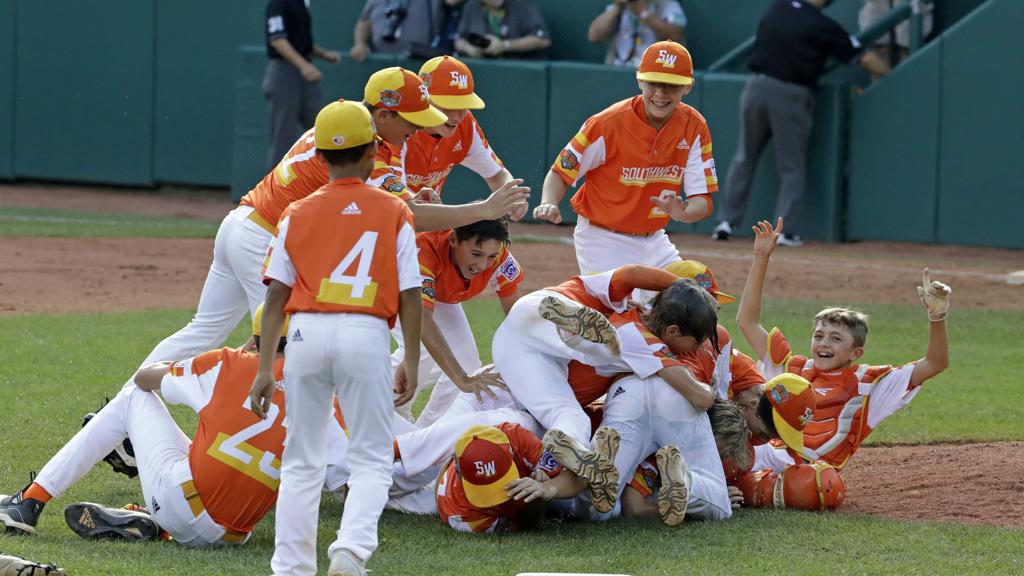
291 82
398 27
633 25
502 29
794 40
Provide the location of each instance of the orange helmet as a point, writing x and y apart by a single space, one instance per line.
757 488
816 486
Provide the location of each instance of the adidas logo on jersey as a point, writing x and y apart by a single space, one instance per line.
618 391
351 210
458 146
683 144
297 337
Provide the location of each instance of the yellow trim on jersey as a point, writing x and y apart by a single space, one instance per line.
582 139
252 469
705 149
426 271
342 294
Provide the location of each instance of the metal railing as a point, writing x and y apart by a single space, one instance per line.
912 10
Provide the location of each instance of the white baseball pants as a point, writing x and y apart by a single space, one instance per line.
327 355
534 362
599 250
233 285
161 453
649 414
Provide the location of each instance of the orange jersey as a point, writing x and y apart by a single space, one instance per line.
850 402
607 292
347 248
626 161
389 170
442 281
300 173
429 159
454 507
641 349
236 456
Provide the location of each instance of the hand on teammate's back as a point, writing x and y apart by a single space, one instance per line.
262 391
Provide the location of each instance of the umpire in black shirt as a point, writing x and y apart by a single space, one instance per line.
291 82
794 40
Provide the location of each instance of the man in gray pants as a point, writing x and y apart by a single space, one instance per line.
794 40
291 82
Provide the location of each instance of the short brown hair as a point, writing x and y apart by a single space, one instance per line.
729 426
687 305
856 323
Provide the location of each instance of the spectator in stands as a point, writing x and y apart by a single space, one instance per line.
794 39
291 82
502 28
892 47
407 27
633 25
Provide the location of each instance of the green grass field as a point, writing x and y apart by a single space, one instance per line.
57 368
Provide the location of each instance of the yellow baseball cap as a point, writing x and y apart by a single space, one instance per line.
450 84
343 124
257 322
400 90
701 274
667 62
484 459
793 406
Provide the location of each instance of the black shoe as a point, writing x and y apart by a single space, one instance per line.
90 520
21 514
122 458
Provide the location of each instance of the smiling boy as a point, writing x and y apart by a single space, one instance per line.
852 399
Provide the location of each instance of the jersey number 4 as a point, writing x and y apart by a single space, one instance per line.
352 290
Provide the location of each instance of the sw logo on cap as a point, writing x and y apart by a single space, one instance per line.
390 98
805 418
424 95
460 81
485 469
665 59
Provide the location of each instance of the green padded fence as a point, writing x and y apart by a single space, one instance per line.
84 93
894 143
7 43
194 92
982 129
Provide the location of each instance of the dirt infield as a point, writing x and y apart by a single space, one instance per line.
54 275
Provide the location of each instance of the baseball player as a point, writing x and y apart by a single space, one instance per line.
852 399
390 89
400 107
433 152
343 264
499 481
533 356
212 490
457 265
637 155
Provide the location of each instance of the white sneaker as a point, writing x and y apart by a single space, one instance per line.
674 493
791 240
574 319
343 563
722 232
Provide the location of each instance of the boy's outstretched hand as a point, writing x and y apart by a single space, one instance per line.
935 297
765 237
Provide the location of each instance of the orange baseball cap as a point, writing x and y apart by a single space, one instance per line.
701 274
402 91
483 455
450 84
793 405
667 62
343 124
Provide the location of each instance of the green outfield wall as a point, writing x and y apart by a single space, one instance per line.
7 27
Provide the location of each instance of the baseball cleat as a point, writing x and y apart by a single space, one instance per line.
597 468
17 566
20 514
579 320
674 492
343 563
90 520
